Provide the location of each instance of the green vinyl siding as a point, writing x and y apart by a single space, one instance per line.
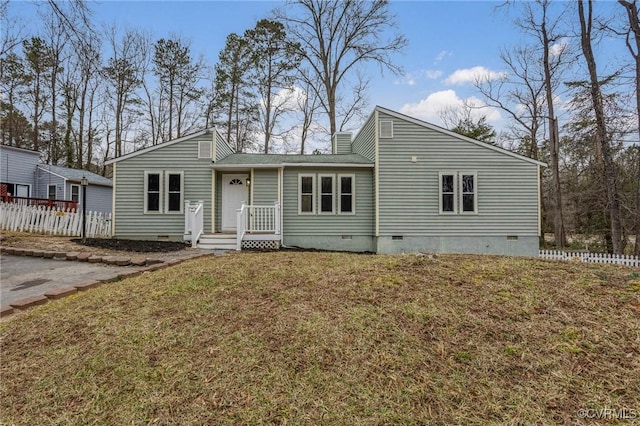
365 141
222 148
507 187
358 224
265 187
130 220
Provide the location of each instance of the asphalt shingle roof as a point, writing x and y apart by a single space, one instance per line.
77 174
278 159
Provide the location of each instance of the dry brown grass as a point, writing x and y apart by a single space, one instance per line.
326 338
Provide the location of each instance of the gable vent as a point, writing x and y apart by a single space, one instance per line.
204 149
386 129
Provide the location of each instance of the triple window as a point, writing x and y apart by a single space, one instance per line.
458 192
163 192
326 194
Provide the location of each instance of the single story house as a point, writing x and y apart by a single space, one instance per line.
400 185
24 179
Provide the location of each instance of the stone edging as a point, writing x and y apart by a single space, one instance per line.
82 257
61 292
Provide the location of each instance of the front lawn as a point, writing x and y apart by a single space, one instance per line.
329 338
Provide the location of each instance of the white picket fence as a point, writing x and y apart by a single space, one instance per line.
617 259
14 217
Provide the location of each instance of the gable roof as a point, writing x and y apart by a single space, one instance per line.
457 135
161 145
281 160
74 175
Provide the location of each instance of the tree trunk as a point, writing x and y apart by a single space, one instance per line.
554 143
601 129
634 25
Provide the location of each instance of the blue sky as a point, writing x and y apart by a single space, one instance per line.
447 41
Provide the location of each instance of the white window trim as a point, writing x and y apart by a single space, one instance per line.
475 192
167 173
353 193
146 184
55 197
200 155
79 193
313 194
382 136
333 193
455 191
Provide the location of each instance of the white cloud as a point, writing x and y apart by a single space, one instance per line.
558 48
469 75
412 78
443 54
430 108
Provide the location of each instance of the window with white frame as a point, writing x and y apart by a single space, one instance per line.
75 193
152 192
174 192
346 194
326 204
458 192
164 192
468 198
306 194
51 192
448 192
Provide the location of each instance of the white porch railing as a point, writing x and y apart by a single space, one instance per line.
193 221
257 220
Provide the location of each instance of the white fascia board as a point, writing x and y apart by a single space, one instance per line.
458 136
281 165
244 166
160 145
349 165
53 173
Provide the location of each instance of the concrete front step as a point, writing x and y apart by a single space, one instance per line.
217 242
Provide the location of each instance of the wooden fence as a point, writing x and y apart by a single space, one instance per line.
15 217
617 259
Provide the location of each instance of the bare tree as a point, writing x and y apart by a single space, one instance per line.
520 94
308 105
602 139
633 45
537 21
11 30
337 37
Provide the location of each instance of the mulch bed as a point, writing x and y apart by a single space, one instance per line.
140 246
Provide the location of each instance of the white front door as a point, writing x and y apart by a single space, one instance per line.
234 193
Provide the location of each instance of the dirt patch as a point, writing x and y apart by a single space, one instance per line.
139 246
